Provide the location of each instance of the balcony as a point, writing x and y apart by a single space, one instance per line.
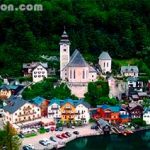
26 114
68 113
54 108
67 108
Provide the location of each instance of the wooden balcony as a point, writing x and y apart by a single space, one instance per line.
27 114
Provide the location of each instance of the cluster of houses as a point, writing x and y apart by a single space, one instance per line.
76 73
19 111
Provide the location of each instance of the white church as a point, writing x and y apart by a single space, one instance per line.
75 71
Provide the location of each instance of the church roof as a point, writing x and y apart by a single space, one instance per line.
64 38
77 60
104 56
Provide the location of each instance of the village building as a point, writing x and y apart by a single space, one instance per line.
7 90
129 71
36 70
54 111
42 103
146 116
18 110
135 110
74 70
105 62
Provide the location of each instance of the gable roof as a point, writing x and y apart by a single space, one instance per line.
38 100
14 104
129 69
104 56
34 65
112 108
77 60
103 123
54 100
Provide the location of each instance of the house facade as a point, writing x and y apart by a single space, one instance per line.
54 111
69 110
129 71
74 70
146 116
105 62
135 110
18 110
42 103
36 70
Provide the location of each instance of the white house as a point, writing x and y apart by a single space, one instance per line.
74 70
146 116
82 111
54 112
105 62
37 70
39 73
18 110
129 71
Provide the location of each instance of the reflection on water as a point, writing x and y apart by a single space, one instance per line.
136 141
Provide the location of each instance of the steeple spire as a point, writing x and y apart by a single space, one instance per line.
64 37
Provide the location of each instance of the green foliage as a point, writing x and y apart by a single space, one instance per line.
138 121
9 139
42 130
30 135
23 79
146 102
91 120
107 100
120 26
47 90
95 91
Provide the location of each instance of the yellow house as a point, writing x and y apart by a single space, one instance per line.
68 111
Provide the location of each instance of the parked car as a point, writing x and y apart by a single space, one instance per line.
31 146
52 129
52 139
60 128
43 142
47 130
59 136
64 135
68 134
56 129
26 148
73 127
21 135
76 132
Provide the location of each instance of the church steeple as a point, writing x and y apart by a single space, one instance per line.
64 38
64 51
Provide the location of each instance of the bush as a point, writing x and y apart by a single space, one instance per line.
42 130
30 135
138 121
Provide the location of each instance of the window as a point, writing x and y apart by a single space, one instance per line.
35 72
107 64
104 64
35 76
64 50
39 76
74 74
43 72
70 74
39 72
83 74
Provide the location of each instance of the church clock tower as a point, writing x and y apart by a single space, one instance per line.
64 51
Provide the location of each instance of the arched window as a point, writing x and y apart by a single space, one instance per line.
104 64
74 74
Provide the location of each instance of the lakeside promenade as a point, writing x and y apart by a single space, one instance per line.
84 131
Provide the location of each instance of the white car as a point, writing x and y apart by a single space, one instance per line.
31 145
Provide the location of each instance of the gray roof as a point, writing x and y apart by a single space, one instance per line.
92 69
103 123
129 69
34 64
104 56
14 104
132 79
77 60
64 38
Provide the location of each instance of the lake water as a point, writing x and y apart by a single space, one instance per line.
136 141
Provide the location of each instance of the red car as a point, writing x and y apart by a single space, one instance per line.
64 135
59 136
52 128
